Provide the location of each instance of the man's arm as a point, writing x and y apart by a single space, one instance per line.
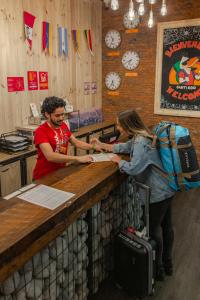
83 145
61 158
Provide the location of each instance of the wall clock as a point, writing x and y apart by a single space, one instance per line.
130 60
112 81
113 39
131 24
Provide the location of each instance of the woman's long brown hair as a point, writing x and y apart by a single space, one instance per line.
132 124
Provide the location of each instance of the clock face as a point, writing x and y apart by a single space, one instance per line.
112 81
113 39
131 24
130 60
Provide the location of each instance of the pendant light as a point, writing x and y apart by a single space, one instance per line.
141 8
114 4
131 11
163 10
151 20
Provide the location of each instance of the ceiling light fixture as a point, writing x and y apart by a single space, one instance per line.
141 9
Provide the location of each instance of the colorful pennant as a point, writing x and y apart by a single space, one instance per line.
28 27
76 40
47 38
89 40
63 41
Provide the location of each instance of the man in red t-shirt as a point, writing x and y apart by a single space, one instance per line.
51 140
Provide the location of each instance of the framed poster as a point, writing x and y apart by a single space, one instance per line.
43 80
177 86
15 84
32 78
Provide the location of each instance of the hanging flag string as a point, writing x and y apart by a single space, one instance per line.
47 38
76 40
63 41
89 40
28 27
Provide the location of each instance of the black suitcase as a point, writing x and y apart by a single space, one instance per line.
134 256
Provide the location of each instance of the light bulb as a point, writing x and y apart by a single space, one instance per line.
150 21
141 9
131 12
152 1
163 10
114 4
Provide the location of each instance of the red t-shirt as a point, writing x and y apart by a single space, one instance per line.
58 139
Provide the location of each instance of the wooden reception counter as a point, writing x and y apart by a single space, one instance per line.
26 228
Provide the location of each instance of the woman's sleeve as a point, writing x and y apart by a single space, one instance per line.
122 147
138 162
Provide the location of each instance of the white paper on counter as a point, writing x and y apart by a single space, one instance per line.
46 196
102 157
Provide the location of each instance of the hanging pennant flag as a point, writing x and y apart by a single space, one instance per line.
47 37
63 42
89 40
28 27
76 40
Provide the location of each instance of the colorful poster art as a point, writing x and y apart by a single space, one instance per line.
94 87
86 88
32 78
15 84
178 69
43 80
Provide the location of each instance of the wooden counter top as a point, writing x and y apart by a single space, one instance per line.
26 228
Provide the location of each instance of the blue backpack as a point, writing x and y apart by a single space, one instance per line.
178 156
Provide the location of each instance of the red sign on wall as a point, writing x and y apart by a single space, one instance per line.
15 84
32 80
43 79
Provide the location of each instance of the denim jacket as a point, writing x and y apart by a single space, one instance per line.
142 158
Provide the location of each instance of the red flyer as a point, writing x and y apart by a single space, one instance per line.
15 84
43 77
32 80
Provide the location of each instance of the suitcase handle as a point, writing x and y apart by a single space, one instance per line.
137 185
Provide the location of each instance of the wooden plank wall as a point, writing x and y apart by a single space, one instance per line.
66 76
138 92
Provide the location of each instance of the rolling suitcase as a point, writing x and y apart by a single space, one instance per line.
134 256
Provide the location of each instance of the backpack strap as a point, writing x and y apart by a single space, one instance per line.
180 175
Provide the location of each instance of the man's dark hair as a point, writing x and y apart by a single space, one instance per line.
50 104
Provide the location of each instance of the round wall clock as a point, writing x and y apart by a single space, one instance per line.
112 81
131 24
113 39
130 60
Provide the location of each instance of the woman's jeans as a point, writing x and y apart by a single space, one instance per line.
161 230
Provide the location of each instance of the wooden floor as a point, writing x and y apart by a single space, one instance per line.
185 282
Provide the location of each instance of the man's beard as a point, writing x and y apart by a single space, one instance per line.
56 124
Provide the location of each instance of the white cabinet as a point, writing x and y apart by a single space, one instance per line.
10 178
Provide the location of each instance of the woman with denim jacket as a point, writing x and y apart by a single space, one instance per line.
142 165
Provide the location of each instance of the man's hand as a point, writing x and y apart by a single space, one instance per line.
84 159
116 159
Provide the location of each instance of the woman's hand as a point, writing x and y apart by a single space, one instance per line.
84 159
116 159
95 141
97 145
